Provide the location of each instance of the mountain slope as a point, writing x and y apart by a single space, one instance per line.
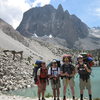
9 30
38 48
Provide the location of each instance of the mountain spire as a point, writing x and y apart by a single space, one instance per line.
60 8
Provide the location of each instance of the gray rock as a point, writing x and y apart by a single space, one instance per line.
48 20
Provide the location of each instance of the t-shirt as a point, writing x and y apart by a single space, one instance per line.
55 71
69 68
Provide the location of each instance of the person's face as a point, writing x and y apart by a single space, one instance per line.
80 59
43 64
54 64
66 60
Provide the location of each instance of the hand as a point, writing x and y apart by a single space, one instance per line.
67 74
39 84
85 66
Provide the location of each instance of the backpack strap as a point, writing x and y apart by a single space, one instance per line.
51 70
54 70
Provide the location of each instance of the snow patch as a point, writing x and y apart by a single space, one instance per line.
50 36
35 35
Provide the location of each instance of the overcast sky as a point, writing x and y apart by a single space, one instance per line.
87 10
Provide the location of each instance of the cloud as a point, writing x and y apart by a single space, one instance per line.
97 12
12 11
40 2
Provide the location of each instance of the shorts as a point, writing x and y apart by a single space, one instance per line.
71 82
42 86
55 85
85 84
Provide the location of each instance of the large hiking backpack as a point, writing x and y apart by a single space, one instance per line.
88 59
35 69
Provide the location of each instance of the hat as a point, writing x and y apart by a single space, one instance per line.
80 56
54 61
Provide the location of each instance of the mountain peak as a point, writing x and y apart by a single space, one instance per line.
60 7
57 22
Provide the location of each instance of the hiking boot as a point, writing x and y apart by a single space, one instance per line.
43 98
54 98
64 98
58 99
73 97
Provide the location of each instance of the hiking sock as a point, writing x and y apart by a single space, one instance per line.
73 97
81 96
90 97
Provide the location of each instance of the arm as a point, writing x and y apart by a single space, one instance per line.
73 73
64 74
76 69
38 75
88 70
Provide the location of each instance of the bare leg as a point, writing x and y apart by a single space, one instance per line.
72 91
90 94
54 93
39 92
58 93
64 89
43 90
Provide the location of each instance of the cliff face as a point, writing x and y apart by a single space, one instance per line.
57 22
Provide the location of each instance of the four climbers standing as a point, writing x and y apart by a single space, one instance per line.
66 72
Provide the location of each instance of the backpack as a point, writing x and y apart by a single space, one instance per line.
43 73
35 69
88 59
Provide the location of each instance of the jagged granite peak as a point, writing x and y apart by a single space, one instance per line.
60 8
57 22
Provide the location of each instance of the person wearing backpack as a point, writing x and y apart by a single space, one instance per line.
67 74
54 75
37 65
42 75
84 72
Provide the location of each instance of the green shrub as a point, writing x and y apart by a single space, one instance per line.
48 95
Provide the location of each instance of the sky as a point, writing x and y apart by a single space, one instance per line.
88 11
